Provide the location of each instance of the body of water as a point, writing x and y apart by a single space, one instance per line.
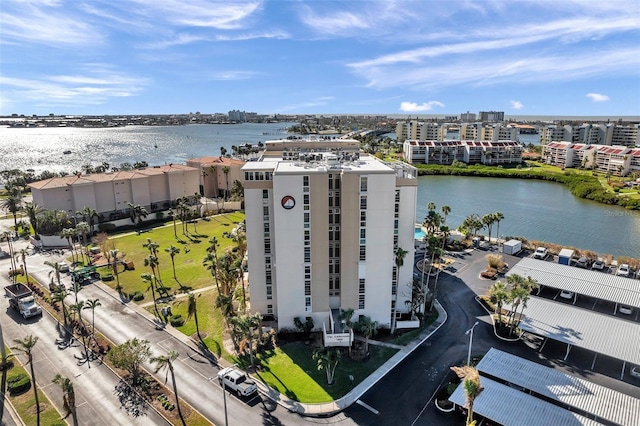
533 209
536 210
43 148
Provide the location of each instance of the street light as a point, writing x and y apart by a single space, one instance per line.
470 333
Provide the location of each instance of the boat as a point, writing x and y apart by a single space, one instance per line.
66 152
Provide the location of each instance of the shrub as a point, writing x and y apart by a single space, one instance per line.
19 383
106 227
176 321
136 296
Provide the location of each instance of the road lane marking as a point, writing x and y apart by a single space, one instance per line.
368 407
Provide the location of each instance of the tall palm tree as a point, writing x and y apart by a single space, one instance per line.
69 234
59 296
88 214
68 397
173 250
445 211
113 255
55 272
210 262
22 254
498 216
83 229
33 211
13 204
166 361
26 346
472 388
400 254
151 279
93 304
498 294
137 213
488 220
244 328
240 239
368 328
226 170
192 311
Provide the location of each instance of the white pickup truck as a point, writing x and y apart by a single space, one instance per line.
237 380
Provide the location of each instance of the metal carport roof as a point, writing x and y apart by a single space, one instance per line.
509 406
590 330
581 281
586 397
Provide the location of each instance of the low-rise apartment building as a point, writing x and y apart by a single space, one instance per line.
217 174
617 160
466 151
154 188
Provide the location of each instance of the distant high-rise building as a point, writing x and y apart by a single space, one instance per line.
467 117
491 116
239 116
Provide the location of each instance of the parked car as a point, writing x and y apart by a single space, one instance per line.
623 270
237 381
627 310
566 294
583 262
635 371
63 266
540 253
598 264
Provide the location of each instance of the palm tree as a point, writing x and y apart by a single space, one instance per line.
26 346
240 239
226 170
59 296
83 228
150 279
499 295
13 204
400 254
88 214
192 311
33 211
137 213
93 304
472 388
487 220
22 254
445 211
327 360
368 328
210 262
166 361
68 397
498 217
113 255
173 214
173 250
55 272
244 328
69 234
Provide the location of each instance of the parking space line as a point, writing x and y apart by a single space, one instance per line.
368 407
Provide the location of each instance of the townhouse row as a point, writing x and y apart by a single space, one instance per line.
466 151
617 160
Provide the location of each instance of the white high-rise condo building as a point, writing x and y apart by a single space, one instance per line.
324 222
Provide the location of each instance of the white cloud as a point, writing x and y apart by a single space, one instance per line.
516 105
233 75
415 107
597 97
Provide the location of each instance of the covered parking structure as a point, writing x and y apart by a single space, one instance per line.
599 333
599 285
591 400
507 406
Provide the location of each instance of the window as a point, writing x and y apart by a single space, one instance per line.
363 184
265 211
307 254
305 199
265 193
361 293
363 202
267 246
305 180
270 309
363 252
363 218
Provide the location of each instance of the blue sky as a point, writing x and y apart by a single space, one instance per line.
333 57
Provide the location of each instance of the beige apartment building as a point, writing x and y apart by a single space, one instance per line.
323 223
154 188
217 174
466 151
617 160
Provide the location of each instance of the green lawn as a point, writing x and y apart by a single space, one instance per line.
291 370
189 270
25 403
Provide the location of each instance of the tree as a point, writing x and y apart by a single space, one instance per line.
173 214
400 254
113 255
13 204
93 304
33 211
88 214
55 272
244 328
130 356
68 397
69 234
83 229
488 220
137 213
173 250
210 262
472 388
498 217
151 280
498 294
192 311
368 328
22 254
327 360
166 361
59 296
240 238
226 170
445 211
26 346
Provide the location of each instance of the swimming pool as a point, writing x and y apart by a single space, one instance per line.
418 233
